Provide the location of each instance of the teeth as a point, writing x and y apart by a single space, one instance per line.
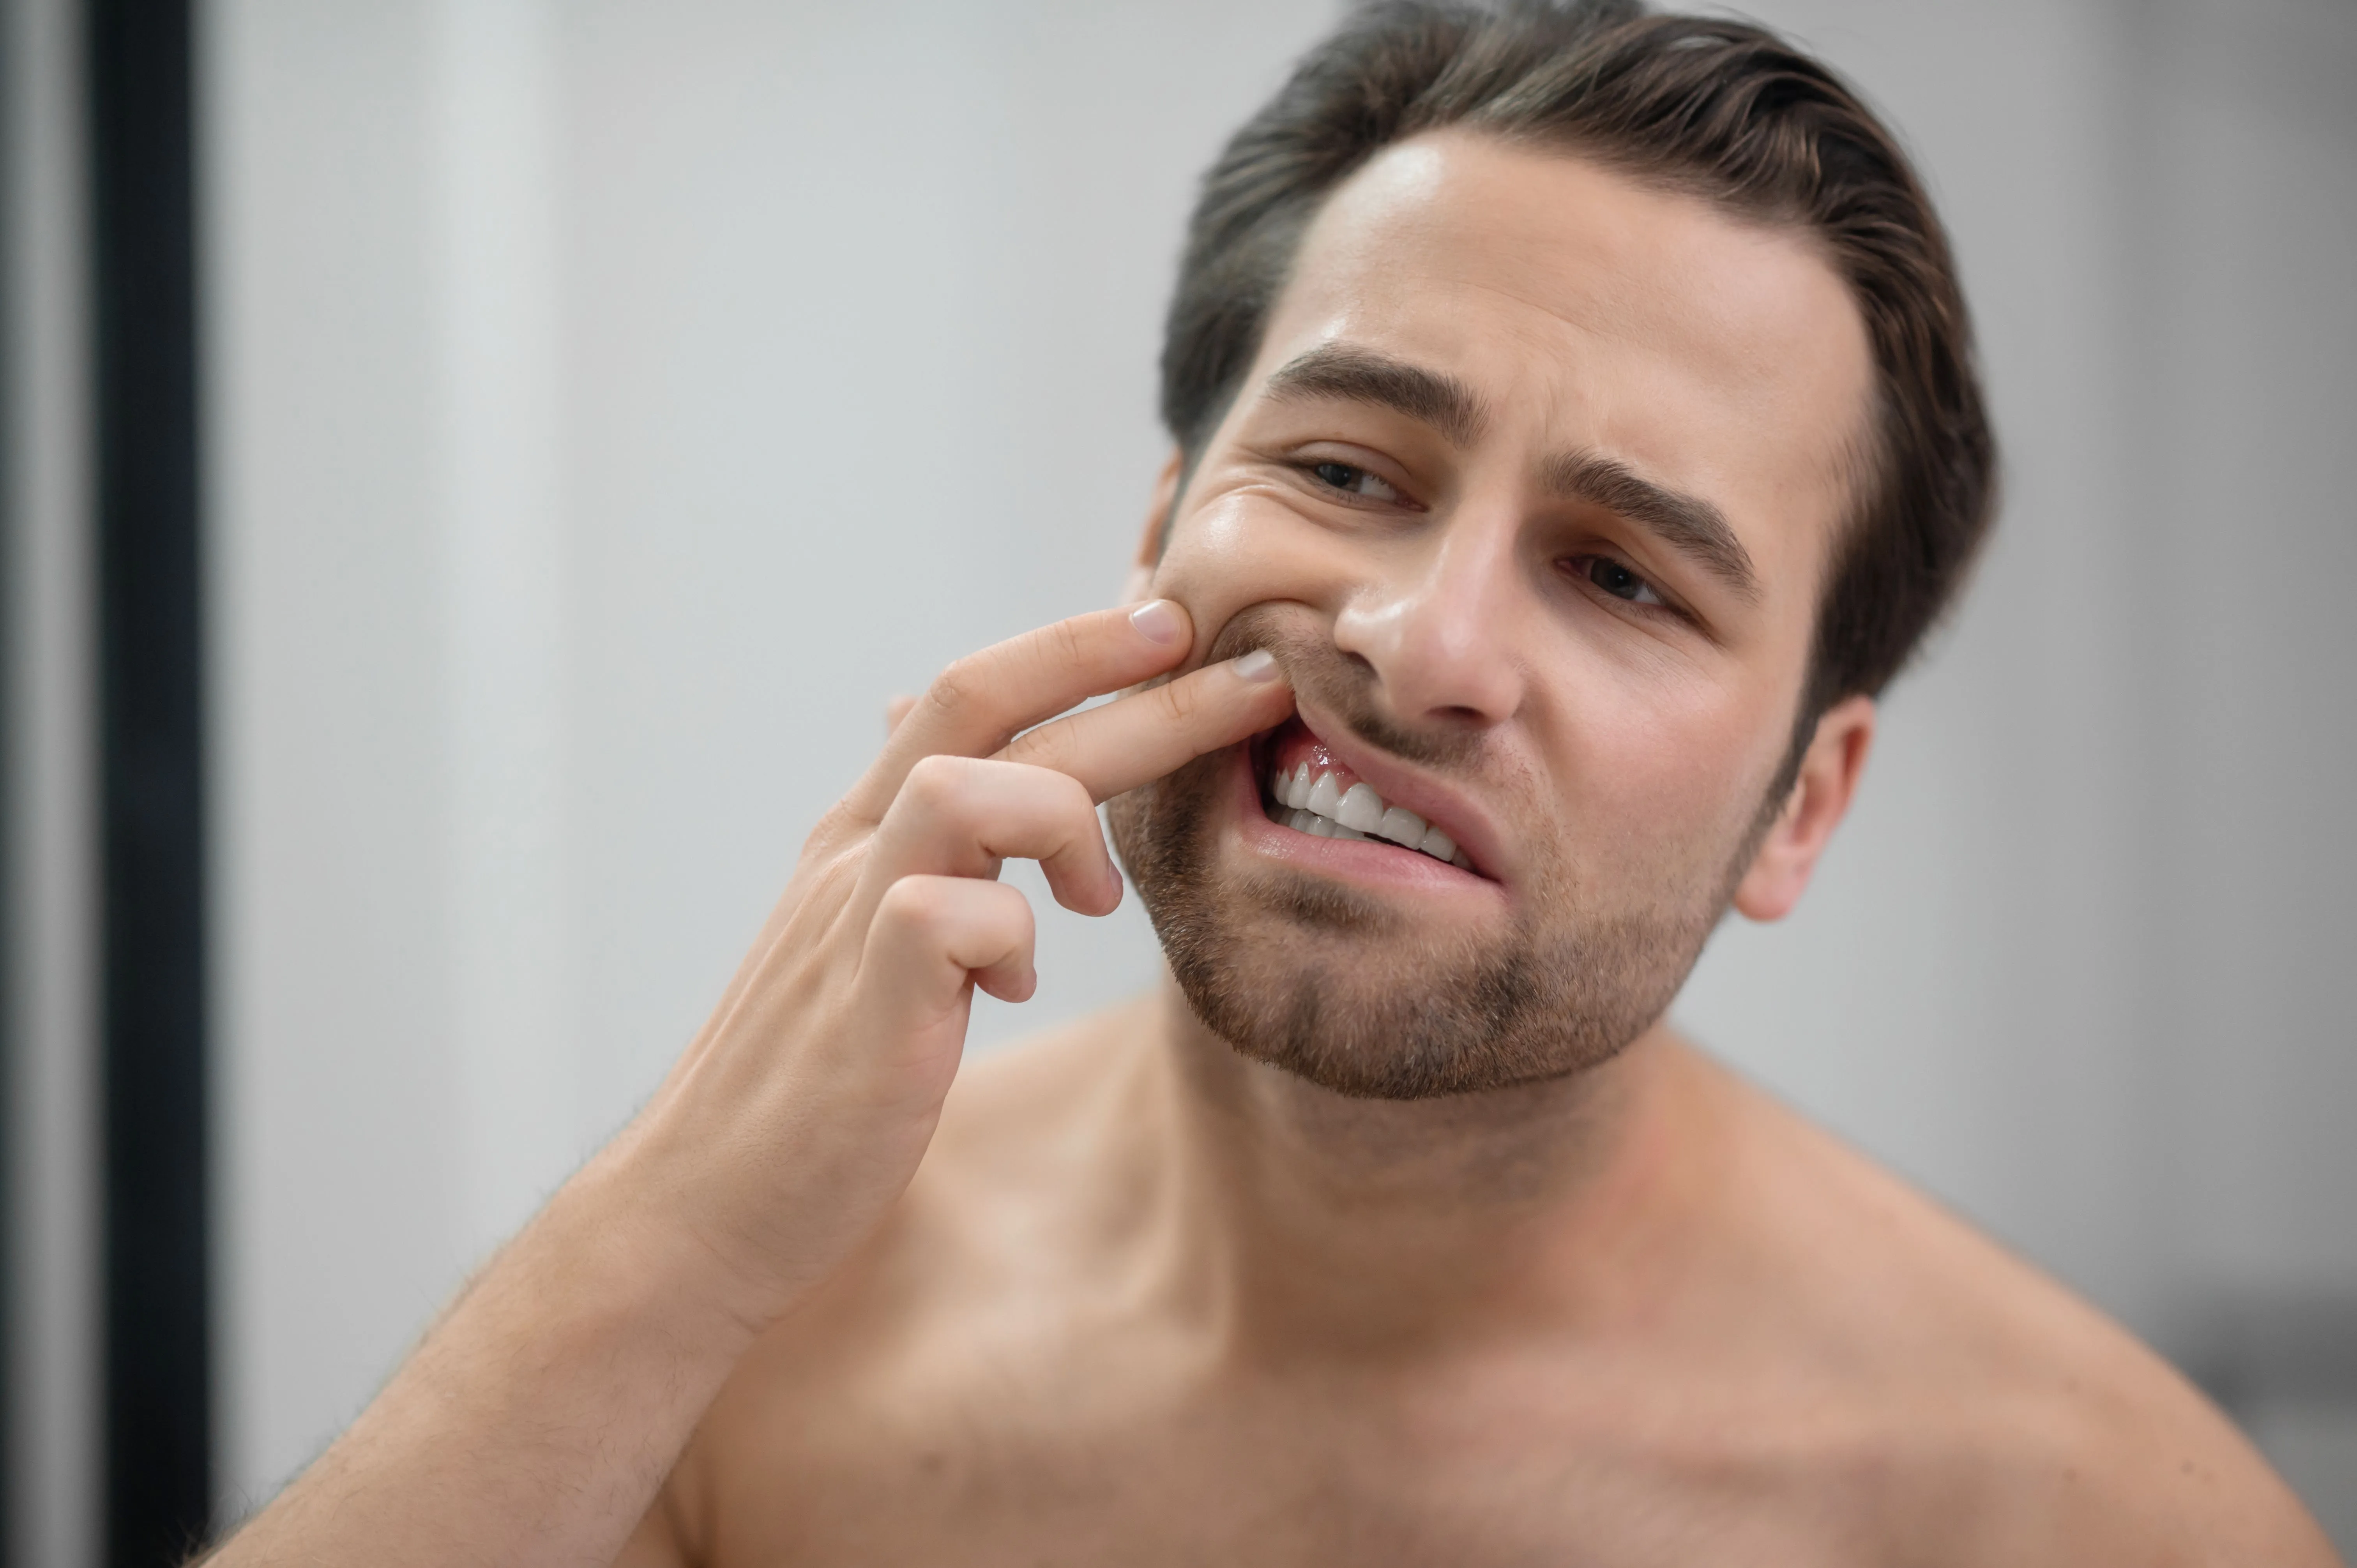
1360 809
1323 809
1325 796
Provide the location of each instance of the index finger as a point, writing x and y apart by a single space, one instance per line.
1116 748
984 700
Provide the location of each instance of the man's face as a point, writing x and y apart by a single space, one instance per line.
1530 489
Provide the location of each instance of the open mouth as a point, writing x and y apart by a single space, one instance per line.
1304 788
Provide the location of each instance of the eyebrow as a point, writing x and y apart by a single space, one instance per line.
1359 375
1687 524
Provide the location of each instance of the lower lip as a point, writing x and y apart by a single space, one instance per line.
1372 863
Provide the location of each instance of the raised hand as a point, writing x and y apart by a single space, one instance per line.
535 1422
801 1109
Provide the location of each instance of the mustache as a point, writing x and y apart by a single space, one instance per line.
1340 684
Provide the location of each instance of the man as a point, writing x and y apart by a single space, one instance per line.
1576 428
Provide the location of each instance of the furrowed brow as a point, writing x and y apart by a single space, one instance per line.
1688 524
1361 375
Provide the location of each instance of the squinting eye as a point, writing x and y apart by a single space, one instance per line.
1619 581
1358 481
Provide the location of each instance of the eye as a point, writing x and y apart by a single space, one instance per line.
1615 579
1356 480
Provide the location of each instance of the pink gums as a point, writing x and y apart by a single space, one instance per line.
1293 745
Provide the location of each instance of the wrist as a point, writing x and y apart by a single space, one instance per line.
616 1234
745 1224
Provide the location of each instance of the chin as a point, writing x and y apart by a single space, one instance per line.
1375 973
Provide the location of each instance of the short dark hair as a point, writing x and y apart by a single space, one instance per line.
1723 109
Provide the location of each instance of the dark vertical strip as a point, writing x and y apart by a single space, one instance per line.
158 1416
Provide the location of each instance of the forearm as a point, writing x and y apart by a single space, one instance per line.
539 1418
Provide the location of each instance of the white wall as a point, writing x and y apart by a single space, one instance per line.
2248 486
615 403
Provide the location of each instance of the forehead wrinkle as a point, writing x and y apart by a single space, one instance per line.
1347 374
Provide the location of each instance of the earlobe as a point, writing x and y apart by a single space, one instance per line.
1830 769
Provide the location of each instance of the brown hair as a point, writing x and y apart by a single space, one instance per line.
1723 109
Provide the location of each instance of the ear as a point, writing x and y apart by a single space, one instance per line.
1780 873
1140 584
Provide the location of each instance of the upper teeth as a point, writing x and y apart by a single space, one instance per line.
1322 807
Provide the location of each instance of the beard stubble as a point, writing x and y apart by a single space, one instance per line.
1340 988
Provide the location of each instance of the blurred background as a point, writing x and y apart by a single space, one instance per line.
476 470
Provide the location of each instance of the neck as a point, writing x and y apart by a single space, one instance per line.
1300 1217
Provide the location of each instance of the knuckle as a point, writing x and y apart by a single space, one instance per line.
913 903
1010 912
1057 794
963 683
927 776
1049 747
1076 799
1183 700
1066 645
931 910
936 785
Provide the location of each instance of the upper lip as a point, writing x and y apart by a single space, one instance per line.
1452 812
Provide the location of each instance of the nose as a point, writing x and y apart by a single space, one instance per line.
1437 629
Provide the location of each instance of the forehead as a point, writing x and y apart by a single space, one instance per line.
1713 353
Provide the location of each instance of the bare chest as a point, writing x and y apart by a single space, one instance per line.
1283 1474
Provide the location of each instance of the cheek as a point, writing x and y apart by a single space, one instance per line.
1662 777
1241 549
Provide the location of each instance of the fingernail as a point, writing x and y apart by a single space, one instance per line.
1260 664
1158 621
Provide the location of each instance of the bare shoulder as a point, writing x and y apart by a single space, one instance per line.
2003 1419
